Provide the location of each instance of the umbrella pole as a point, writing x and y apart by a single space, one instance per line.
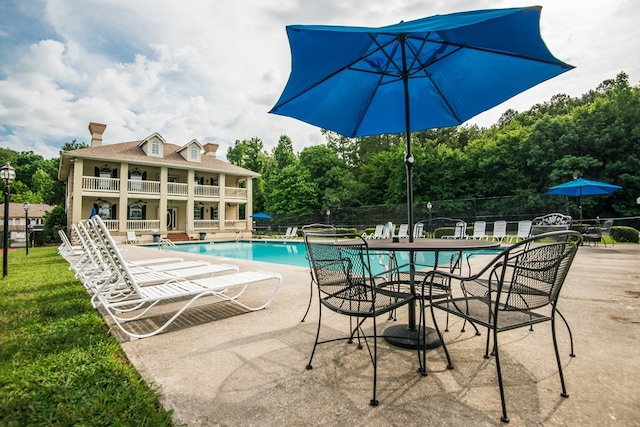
408 161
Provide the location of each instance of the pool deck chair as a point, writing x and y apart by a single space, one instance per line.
403 231
499 231
292 234
132 238
459 232
479 230
524 230
518 288
126 300
377 234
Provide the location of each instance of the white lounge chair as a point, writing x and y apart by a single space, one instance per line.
460 231
403 231
524 230
126 300
418 229
499 230
479 230
132 238
293 233
98 269
378 233
287 233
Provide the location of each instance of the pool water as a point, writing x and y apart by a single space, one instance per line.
288 253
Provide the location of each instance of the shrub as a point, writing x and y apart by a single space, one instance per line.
624 234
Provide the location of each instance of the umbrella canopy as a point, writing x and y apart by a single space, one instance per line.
423 74
260 215
582 187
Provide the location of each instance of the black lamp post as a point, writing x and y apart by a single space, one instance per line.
25 205
7 174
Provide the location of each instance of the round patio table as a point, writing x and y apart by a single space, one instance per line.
408 335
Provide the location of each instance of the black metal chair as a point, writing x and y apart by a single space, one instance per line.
314 228
342 271
519 287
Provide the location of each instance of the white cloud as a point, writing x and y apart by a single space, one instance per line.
212 70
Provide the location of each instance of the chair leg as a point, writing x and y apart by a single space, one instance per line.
444 346
309 304
315 344
504 418
555 347
374 401
572 354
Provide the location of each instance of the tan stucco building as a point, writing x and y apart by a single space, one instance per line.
154 188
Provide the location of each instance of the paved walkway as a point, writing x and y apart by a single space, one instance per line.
221 367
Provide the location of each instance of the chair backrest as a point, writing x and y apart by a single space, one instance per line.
524 229
417 230
379 230
288 232
294 232
340 262
500 229
550 222
529 274
318 228
403 231
388 230
113 257
606 228
461 230
479 229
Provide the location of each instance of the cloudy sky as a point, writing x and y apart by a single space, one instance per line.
212 69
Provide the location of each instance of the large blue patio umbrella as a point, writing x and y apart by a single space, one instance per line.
428 73
582 187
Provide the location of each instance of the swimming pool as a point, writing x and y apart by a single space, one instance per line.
288 253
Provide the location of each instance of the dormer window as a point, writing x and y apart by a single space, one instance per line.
193 152
155 147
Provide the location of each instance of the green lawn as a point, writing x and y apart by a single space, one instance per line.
58 363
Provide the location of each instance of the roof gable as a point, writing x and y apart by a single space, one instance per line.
153 145
191 151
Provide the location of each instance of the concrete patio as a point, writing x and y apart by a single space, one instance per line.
219 366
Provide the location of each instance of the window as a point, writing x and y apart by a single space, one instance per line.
193 152
136 175
135 212
214 213
105 184
104 210
197 212
155 147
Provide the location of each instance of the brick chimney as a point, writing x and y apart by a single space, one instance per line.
96 130
210 149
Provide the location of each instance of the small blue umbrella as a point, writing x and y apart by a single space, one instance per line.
582 187
428 73
260 215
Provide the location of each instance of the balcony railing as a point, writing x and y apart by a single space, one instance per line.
177 189
147 187
206 224
238 224
111 224
206 191
100 184
143 224
235 193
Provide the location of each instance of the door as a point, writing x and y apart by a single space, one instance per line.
172 218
